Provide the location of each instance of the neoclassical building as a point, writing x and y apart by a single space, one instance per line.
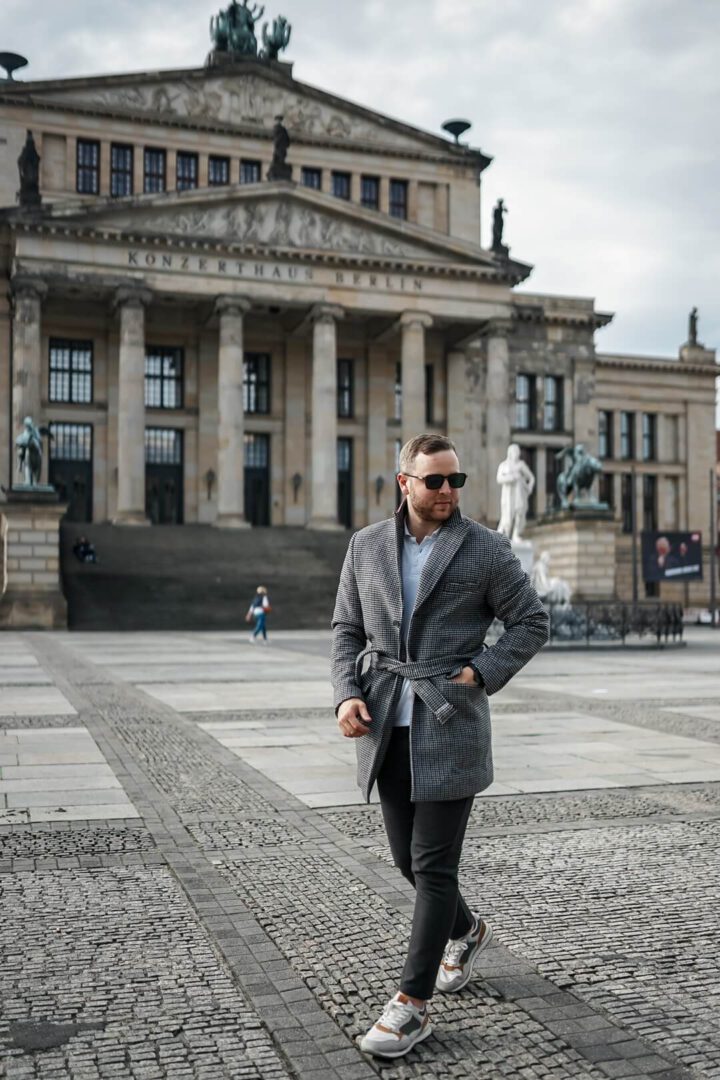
210 345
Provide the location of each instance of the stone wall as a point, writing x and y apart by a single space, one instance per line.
33 596
582 551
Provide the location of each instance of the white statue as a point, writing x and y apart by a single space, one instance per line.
553 590
517 483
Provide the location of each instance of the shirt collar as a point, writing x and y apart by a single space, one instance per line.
430 538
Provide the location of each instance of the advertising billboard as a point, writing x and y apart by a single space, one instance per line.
672 556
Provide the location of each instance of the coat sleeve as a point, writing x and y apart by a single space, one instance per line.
349 636
516 604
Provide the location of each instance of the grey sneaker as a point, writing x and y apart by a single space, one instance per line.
400 1027
459 958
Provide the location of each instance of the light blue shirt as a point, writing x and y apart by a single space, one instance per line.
414 557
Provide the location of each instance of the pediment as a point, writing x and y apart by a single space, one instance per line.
278 216
244 95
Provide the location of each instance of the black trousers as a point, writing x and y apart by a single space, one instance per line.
426 843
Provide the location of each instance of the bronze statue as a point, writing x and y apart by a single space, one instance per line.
693 327
233 30
498 225
577 475
29 170
276 40
279 169
30 451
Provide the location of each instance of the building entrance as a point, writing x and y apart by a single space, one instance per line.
70 468
164 476
257 479
345 487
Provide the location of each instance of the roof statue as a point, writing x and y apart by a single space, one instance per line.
277 39
232 31
693 327
499 211
29 169
279 168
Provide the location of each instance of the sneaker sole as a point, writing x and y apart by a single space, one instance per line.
469 973
399 1053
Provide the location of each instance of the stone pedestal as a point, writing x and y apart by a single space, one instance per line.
32 598
581 544
524 551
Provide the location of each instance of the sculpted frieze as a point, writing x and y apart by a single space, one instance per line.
237 100
272 222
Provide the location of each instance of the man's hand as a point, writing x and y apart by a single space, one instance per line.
467 676
353 718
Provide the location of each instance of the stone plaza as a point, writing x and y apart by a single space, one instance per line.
192 886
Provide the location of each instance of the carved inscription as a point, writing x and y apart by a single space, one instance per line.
269 271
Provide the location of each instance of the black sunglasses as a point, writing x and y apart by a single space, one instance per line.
435 481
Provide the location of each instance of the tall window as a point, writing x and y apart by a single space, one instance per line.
250 172
649 436
605 434
345 388
626 497
553 404
187 171
256 383
311 177
121 170
649 491
398 391
606 489
155 165
399 199
163 446
370 192
71 442
627 436
429 394
341 185
71 371
163 377
525 401
218 170
88 166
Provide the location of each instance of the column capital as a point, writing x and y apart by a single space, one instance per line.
500 326
27 285
131 296
232 305
327 313
416 318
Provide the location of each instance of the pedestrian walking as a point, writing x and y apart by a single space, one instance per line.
258 612
411 679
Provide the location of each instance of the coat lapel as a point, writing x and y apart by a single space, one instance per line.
451 536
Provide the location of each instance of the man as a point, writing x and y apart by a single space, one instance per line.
411 679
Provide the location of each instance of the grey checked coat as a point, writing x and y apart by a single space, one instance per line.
470 577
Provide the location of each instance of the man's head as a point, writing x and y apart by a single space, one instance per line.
428 455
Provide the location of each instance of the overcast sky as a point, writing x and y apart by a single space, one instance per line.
601 116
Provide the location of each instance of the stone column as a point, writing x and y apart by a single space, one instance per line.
498 408
231 415
412 355
465 417
323 511
28 294
380 473
131 407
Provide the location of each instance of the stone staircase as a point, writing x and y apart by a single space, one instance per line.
196 577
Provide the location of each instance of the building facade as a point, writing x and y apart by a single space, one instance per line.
208 345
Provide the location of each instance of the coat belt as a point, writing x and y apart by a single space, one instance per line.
420 673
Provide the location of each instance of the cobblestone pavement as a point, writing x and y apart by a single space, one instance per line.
229 927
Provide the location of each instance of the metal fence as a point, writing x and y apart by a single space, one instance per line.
612 621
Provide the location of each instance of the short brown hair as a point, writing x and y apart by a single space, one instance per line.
422 444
